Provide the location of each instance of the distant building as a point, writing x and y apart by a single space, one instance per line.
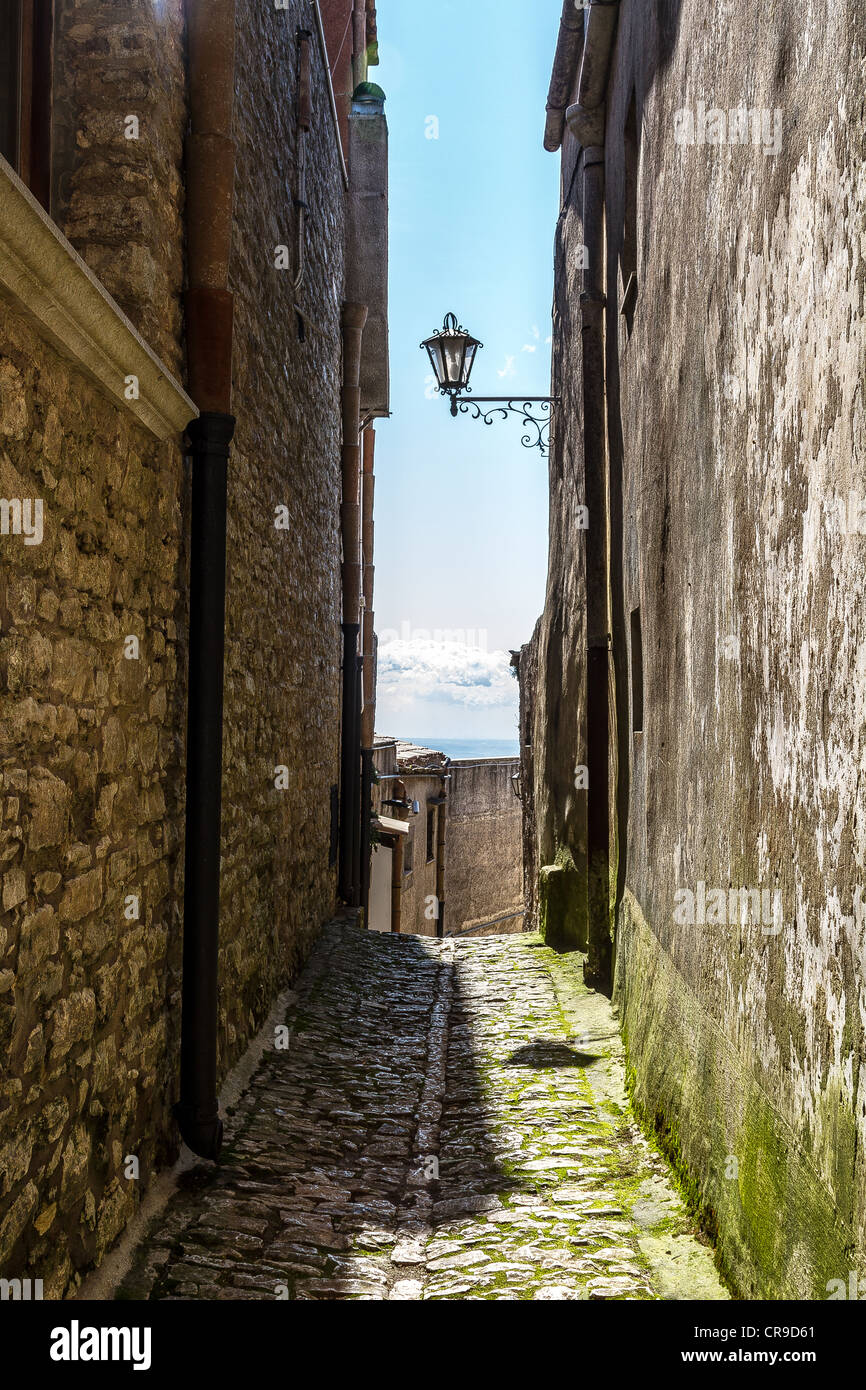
447 856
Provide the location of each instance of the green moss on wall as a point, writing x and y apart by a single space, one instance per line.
778 1205
562 904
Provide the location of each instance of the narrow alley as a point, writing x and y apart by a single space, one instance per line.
432 672
448 1120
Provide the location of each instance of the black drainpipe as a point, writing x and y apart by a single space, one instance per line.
358 837
197 1112
350 796
366 814
353 320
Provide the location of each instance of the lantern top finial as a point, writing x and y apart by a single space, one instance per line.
451 327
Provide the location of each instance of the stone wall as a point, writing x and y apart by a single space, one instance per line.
92 754
283 585
117 184
552 666
735 440
92 779
483 853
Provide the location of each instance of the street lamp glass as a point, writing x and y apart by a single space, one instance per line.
454 356
452 352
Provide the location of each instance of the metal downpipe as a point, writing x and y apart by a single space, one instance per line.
197 1112
366 814
349 796
354 319
358 835
210 167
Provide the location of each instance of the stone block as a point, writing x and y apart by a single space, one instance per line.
49 799
81 896
73 1021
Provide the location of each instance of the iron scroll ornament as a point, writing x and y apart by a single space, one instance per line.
452 351
539 435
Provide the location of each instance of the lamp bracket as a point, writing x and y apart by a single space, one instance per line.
503 406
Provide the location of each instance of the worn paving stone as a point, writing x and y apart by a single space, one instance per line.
430 1133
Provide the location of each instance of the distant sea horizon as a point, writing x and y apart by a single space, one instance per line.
469 747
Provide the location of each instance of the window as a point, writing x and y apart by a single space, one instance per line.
636 673
25 91
408 852
431 833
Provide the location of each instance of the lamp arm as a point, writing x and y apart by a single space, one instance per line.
503 406
528 400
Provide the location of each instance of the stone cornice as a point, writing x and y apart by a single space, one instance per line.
44 277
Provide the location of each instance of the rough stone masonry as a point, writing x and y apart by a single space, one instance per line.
92 755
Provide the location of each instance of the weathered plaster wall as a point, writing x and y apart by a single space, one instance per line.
735 430
743 423
552 667
483 853
527 673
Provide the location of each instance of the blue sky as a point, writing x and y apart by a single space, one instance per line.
461 509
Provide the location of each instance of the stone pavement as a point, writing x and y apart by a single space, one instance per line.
448 1121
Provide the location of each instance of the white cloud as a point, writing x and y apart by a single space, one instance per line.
419 668
509 368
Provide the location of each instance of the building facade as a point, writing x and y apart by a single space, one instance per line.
692 698
183 255
447 857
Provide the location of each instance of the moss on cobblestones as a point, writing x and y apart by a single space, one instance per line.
406 1053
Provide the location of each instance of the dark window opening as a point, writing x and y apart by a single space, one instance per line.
25 91
628 254
408 852
431 833
636 673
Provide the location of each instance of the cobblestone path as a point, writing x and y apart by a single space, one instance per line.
448 1121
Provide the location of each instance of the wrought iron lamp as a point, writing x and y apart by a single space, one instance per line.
452 354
